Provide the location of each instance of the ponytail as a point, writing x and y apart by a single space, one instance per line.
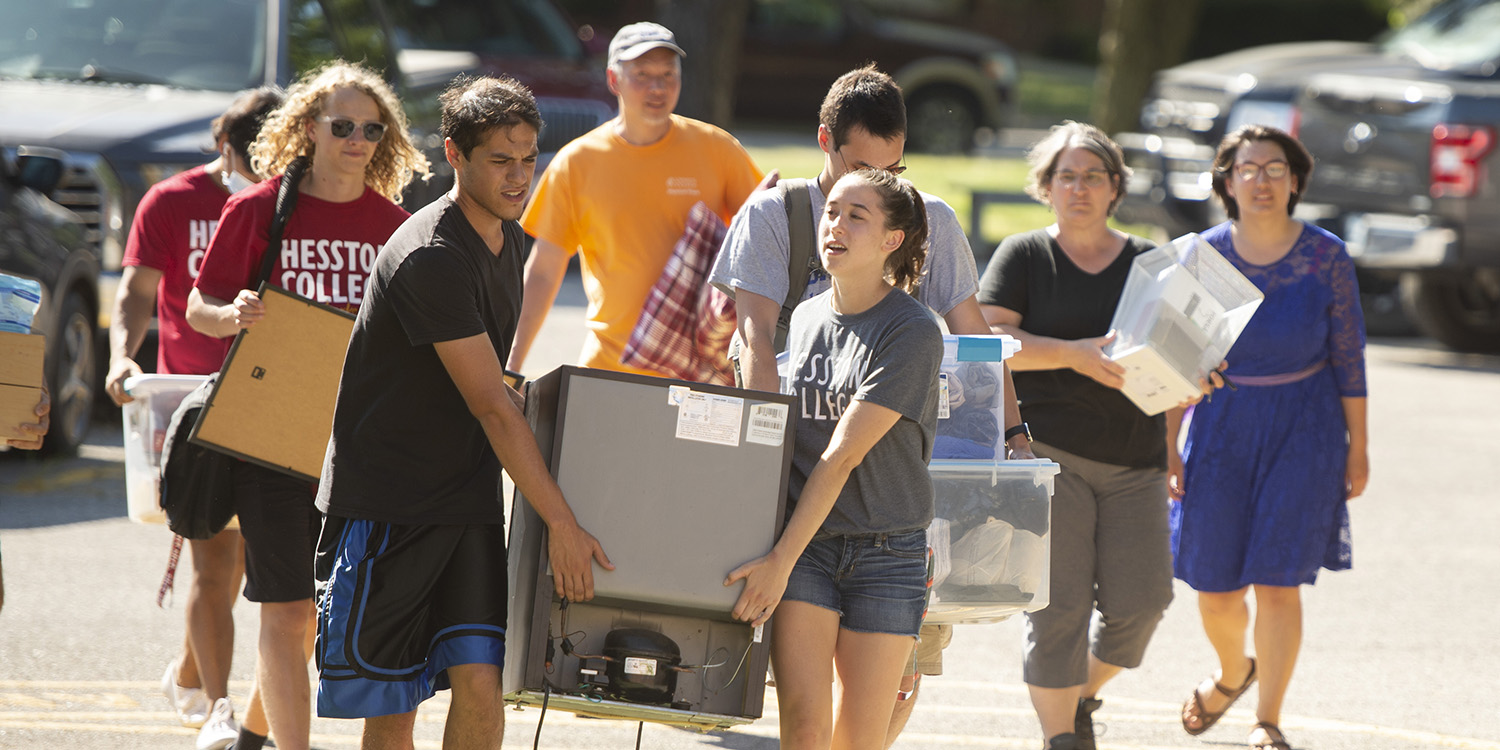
905 264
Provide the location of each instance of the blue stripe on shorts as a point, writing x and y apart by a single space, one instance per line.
363 689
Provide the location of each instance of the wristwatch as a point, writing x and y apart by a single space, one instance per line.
1020 429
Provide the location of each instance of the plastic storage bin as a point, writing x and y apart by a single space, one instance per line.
146 420
1182 309
991 539
971 397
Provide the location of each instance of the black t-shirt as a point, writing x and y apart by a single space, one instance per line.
1031 275
405 448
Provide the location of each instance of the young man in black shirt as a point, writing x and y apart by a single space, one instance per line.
412 556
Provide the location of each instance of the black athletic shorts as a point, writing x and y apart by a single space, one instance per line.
280 524
398 605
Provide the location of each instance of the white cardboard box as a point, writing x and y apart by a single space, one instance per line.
1182 309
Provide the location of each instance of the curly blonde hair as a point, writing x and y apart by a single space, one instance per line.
284 136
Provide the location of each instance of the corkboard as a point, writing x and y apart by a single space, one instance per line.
273 403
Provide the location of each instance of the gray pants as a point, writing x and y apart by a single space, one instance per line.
1110 549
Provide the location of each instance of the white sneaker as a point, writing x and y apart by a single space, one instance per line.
191 704
220 730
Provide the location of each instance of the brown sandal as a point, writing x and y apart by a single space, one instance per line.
1275 740
1193 707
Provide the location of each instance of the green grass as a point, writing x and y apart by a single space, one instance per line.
1049 92
952 178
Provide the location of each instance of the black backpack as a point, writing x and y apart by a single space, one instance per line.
197 483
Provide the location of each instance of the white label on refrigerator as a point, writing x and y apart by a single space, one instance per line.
634 665
767 424
943 395
709 418
676 394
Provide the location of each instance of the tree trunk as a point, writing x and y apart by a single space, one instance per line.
712 33
1139 37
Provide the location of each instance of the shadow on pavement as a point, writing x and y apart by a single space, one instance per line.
1421 352
42 491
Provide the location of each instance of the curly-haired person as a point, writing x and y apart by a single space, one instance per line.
348 125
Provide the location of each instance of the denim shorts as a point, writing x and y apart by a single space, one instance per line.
877 583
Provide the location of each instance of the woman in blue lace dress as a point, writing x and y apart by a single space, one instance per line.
1267 468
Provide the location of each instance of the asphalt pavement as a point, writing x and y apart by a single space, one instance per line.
1397 655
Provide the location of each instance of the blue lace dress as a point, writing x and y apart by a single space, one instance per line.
1264 465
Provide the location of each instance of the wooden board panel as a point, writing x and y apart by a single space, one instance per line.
273 403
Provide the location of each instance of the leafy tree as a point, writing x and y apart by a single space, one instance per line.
1138 38
710 31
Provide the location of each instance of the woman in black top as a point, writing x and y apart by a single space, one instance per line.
1056 290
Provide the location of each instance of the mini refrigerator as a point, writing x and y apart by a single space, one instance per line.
681 483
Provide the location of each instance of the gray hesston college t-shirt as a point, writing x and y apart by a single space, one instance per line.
887 355
758 248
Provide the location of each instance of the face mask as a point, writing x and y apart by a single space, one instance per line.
235 182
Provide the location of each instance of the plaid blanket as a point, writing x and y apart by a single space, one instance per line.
686 323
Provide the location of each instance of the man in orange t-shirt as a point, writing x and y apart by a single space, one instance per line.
620 194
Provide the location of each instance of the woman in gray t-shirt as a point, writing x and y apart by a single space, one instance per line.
848 578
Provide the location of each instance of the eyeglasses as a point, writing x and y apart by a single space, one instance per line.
895 169
342 127
1091 178
1248 171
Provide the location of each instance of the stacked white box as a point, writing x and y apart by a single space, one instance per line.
1183 307
146 420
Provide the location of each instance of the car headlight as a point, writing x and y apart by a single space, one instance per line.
1001 67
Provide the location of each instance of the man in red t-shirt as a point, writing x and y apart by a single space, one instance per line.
168 239
346 120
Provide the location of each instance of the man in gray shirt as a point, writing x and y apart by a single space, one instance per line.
862 125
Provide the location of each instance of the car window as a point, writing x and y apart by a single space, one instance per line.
1460 34
520 28
323 30
798 18
204 44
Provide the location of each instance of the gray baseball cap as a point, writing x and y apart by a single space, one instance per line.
637 39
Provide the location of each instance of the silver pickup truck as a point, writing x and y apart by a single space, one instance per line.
1403 132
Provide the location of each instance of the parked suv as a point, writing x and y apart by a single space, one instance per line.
126 89
43 241
955 81
1403 131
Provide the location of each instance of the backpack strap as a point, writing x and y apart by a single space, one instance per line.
796 195
286 202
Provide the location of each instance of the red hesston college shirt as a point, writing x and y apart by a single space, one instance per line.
327 249
170 233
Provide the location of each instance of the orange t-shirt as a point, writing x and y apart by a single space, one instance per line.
624 207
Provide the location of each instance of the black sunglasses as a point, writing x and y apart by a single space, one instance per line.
343 128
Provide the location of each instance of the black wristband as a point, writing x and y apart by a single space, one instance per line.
1020 429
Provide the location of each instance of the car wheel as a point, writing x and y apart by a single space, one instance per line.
72 374
941 120
1460 311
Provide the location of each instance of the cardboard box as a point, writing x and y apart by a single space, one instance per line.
1182 309
22 358
273 402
